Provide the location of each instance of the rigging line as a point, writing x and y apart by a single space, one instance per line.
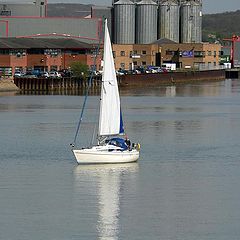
87 91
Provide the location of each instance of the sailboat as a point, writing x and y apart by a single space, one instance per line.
111 145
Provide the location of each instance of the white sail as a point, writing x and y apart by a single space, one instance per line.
109 119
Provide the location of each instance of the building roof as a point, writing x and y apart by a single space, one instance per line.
28 43
164 41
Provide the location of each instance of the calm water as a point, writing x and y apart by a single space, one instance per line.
184 187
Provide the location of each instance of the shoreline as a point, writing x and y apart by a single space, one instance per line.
7 85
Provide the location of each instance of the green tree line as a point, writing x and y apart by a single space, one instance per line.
221 25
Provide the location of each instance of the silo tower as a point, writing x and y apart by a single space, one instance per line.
146 23
169 20
124 22
191 21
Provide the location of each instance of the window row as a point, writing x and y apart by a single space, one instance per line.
131 53
192 53
42 51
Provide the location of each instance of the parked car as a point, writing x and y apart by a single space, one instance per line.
29 75
154 69
18 74
44 74
54 74
65 73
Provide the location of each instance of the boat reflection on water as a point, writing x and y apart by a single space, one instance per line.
171 91
108 180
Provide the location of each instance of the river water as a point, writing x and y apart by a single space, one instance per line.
185 185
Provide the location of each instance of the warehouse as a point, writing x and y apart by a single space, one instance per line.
30 20
19 54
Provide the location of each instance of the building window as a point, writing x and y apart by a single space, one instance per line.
35 51
209 53
122 53
4 52
144 52
169 52
114 54
6 71
144 63
135 63
215 53
198 54
17 52
122 65
53 68
20 69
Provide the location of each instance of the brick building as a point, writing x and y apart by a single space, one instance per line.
185 55
129 56
191 55
43 54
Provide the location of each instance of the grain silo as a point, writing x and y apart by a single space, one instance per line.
169 20
124 22
146 22
191 21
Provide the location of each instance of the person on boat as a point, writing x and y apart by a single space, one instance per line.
128 142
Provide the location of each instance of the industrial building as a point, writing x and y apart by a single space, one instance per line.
25 54
37 8
86 30
143 22
30 20
131 56
132 22
200 56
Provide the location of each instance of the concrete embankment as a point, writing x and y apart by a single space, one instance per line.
7 85
171 78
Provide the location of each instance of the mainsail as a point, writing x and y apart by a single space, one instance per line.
110 120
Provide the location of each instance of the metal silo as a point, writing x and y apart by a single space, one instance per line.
191 22
146 23
169 20
124 22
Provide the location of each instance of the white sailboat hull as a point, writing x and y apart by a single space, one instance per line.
97 155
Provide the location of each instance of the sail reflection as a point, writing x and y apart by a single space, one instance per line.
108 179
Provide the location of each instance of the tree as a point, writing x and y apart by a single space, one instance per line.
79 69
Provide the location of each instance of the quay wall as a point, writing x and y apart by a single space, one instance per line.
54 84
171 78
149 79
233 73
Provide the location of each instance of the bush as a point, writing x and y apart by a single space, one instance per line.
79 69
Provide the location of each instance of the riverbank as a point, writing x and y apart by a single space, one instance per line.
7 85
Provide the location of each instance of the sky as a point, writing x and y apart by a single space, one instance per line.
209 6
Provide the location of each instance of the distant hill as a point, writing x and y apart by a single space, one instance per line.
215 26
221 25
68 10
